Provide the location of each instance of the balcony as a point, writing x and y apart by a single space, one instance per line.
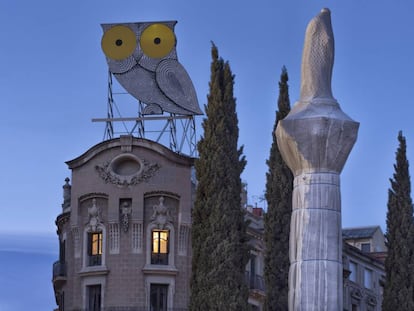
95 260
159 258
59 273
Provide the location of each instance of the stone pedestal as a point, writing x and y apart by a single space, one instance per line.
315 149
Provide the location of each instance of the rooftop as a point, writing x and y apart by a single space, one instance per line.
360 232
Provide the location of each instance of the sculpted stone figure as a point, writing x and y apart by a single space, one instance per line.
94 215
161 214
315 140
318 58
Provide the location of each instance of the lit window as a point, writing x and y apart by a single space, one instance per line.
95 248
159 254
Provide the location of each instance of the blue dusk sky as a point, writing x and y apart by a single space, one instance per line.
54 81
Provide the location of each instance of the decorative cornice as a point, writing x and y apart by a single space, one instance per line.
134 142
157 193
92 195
109 176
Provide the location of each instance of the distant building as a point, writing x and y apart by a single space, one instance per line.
364 253
367 239
255 266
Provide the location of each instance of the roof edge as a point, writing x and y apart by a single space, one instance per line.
132 141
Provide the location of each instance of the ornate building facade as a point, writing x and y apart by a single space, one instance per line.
124 230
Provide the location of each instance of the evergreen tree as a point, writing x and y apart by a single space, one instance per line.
219 240
279 187
399 279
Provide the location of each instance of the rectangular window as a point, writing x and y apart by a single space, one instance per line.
158 297
368 278
252 271
366 247
159 253
353 269
62 251
94 298
95 248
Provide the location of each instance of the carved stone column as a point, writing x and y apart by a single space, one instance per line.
315 140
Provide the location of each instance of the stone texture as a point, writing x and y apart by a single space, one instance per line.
315 140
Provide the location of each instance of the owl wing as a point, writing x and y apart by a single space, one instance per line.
175 83
141 84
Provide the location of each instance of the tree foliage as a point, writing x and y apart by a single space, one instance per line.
399 264
279 187
219 240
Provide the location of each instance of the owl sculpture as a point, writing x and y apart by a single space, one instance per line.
143 58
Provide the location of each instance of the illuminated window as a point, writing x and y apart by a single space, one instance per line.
95 248
159 252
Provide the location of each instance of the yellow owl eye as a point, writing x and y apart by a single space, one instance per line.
157 40
119 42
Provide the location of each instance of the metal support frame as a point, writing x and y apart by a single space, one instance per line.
178 132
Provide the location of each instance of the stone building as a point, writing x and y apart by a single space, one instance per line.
255 266
364 252
124 230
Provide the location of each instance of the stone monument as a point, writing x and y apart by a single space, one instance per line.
315 140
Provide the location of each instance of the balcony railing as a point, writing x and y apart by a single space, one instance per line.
59 274
159 259
59 269
255 281
95 260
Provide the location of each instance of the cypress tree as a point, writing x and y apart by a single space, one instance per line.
219 239
399 279
279 187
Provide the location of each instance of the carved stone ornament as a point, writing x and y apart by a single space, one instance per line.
125 212
356 293
371 300
94 216
161 215
127 170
